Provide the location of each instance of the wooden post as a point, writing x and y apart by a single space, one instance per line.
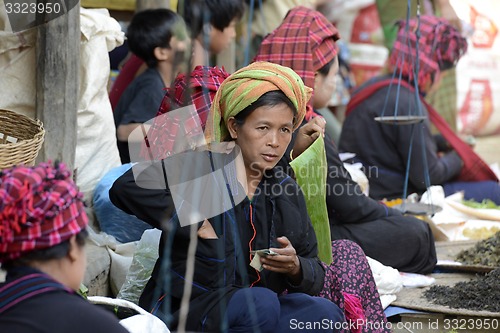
57 81
151 4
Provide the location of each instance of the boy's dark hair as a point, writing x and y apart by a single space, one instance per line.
150 29
219 13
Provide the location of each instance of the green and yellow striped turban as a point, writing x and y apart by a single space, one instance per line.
245 86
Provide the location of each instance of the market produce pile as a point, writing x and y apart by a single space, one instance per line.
485 252
479 294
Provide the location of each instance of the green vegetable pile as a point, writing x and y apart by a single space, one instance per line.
486 203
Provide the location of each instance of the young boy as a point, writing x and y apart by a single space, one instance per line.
155 36
218 16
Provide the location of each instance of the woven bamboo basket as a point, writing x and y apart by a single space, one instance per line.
20 139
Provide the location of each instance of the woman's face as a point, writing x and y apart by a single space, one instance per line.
324 86
220 40
263 137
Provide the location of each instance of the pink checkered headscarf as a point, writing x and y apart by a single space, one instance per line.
40 207
304 42
197 88
440 46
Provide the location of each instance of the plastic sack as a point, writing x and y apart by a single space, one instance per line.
388 280
133 318
478 86
357 174
102 238
121 259
143 262
120 256
112 220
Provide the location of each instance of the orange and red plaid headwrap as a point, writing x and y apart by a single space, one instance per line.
305 42
40 207
198 88
440 46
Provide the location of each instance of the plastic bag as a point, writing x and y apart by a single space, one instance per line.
112 220
140 321
143 262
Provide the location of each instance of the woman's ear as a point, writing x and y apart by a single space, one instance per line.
74 249
161 53
317 75
232 127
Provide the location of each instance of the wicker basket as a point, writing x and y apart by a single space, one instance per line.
20 139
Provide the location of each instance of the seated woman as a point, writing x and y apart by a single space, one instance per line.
384 234
385 149
257 108
349 278
42 236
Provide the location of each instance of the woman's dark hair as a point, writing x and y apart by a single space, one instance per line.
445 65
219 13
150 29
270 98
326 68
55 252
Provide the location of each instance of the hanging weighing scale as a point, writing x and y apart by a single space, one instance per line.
412 119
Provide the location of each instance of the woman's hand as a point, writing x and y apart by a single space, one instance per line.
307 134
286 262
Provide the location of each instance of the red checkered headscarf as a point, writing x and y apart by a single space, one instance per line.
305 42
40 207
440 46
198 88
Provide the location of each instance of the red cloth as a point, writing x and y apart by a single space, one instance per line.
354 312
439 44
305 42
40 207
203 83
474 169
124 78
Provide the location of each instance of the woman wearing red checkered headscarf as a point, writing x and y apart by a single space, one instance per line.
42 236
435 160
305 42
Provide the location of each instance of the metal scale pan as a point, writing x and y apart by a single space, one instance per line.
400 120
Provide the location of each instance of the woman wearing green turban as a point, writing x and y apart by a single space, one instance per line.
257 108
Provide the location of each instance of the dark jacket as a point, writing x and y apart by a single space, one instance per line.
384 149
51 308
222 264
384 233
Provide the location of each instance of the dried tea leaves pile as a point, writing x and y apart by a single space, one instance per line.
480 294
485 252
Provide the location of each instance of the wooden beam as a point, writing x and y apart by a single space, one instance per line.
57 81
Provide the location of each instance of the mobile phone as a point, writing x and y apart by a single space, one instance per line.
264 252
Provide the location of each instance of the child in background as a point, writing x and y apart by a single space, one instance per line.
155 36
